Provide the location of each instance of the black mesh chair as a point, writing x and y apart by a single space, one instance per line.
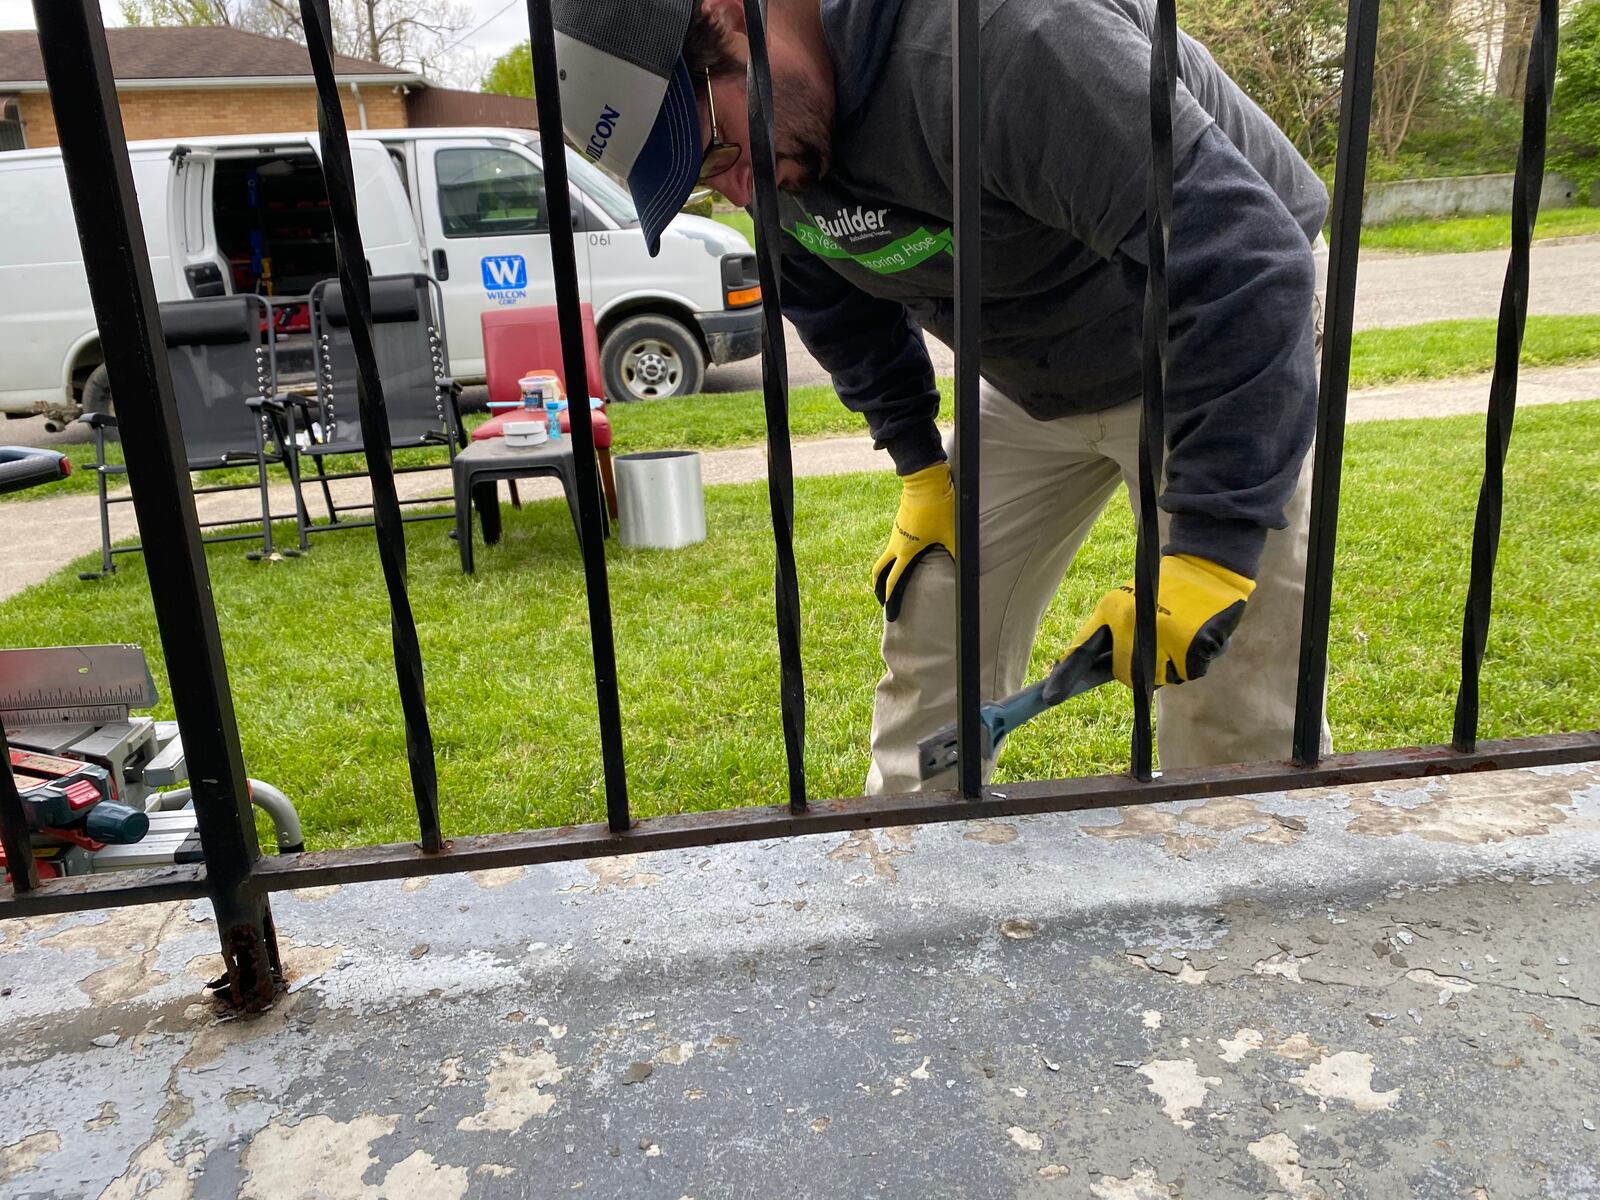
413 363
222 381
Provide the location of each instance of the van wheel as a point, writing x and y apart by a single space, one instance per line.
650 357
97 391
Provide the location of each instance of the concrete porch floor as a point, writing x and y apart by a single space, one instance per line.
1380 991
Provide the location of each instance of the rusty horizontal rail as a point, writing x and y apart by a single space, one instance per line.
363 864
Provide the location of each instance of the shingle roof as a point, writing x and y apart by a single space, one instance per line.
210 52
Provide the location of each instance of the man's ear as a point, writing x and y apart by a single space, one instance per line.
726 15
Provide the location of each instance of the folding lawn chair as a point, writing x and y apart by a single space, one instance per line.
413 364
223 383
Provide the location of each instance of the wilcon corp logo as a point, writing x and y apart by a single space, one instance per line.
605 125
505 278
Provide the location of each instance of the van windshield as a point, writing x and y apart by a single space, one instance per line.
602 189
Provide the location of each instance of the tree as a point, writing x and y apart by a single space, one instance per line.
1575 117
1285 54
511 74
402 33
1420 52
1516 35
181 12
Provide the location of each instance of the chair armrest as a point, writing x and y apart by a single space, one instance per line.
452 393
98 420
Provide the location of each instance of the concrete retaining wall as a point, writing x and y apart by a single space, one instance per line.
1463 195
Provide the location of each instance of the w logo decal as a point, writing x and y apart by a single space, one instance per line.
505 272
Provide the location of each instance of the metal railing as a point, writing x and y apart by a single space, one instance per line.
237 878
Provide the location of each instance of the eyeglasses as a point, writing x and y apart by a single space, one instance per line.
720 155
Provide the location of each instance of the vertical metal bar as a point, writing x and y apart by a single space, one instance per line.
1526 190
351 256
1152 423
1339 315
94 153
775 394
968 222
14 836
564 261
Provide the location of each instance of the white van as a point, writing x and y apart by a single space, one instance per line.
250 214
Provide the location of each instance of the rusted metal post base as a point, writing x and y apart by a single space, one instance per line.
253 972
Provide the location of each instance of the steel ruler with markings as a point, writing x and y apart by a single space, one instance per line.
78 684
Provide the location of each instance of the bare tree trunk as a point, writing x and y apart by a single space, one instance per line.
1516 32
373 49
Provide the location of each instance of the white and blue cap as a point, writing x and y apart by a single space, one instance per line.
627 101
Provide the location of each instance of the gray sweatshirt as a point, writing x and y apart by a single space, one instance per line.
1065 144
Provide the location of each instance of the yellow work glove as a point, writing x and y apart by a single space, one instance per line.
926 521
1198 606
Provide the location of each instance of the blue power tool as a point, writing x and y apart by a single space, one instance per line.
1085 669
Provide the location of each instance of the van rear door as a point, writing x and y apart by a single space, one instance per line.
189 224
487 226
388 229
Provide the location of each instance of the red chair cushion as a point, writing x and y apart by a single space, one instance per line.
495 426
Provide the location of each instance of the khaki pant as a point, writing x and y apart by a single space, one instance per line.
1044 483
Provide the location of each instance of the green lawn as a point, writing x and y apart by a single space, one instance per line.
1441 349
507 653
1458 234
740 220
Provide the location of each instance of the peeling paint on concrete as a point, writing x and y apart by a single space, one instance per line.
1279 1154
1019 929
1026 1140
23 1156
802 995
155 1173
320 1156
498 877
1225 813
1178 1084
619 872
418 1175
1241 1043
1196 828
991 833
1283 964
130 975
1466 810
1444 983
1185 845
865 846
1299 1047
516 1090
1346 1076
1143 1184
676 1055
1134 823
1152 1019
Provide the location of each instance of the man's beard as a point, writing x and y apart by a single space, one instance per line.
804 128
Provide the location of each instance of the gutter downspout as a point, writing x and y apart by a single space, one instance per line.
361 105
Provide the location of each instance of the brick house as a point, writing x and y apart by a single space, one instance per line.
186 82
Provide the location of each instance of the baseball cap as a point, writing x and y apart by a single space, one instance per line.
627 101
